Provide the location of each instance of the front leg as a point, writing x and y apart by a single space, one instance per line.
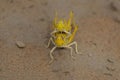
68 34
51 55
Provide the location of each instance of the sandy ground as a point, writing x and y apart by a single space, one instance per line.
30 21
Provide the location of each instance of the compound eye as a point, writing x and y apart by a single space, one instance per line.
63 32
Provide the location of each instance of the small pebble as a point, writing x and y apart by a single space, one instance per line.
31 6
108 74
42 19
20 44
89 55
66 73
115 6
110 61
110 68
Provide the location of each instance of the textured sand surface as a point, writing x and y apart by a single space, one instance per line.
30 21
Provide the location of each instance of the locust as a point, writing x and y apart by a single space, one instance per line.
63 35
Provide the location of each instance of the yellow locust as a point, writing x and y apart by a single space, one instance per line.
62 35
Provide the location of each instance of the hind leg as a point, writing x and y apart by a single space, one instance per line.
71 50
76 47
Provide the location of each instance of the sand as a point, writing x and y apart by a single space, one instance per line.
30 22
